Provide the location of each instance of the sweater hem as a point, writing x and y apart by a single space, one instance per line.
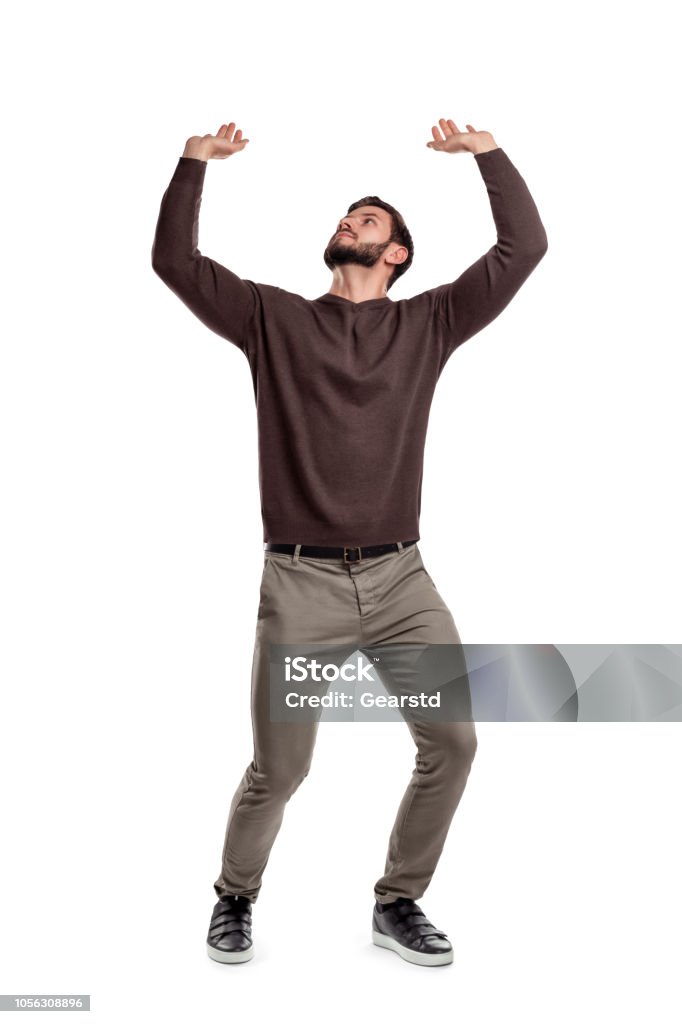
358 535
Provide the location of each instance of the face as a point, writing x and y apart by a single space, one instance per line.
361 237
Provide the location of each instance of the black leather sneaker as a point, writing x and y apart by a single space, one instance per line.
229 934
403 927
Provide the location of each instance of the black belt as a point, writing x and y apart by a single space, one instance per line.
347 554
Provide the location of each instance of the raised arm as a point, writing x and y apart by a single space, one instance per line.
483 290
222 301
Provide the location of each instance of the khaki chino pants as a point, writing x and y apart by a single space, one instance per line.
390 599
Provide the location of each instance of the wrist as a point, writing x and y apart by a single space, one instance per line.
483 144
196 148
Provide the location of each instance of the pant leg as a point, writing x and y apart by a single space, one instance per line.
409 610
300 602
281 760
445 751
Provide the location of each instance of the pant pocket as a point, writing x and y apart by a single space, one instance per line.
263 586
420 565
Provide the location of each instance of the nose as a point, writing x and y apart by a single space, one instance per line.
344 225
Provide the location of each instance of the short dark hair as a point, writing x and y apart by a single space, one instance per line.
399 233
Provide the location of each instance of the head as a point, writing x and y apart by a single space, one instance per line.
372 232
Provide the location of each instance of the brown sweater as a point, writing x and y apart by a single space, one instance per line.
343 389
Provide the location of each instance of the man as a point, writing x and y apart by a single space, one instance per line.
343 387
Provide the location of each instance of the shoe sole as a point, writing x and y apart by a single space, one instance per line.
223 956
411 955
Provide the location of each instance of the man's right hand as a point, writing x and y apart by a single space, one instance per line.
216 147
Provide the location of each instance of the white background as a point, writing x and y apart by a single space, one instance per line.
131 534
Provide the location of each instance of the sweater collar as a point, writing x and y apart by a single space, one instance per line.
339 300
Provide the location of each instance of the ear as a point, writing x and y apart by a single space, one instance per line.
399 255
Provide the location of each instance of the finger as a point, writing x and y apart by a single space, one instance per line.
237 135
435 133
222 132
449 126
230 131
471 128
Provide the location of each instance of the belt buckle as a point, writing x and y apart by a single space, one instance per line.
347 560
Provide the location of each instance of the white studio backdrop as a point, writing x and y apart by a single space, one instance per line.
132 541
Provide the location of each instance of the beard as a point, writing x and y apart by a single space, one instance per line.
342 250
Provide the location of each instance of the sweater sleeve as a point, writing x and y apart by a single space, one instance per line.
483 290
225 303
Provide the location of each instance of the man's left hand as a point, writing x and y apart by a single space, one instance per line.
452 140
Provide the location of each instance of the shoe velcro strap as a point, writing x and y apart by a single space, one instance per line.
232 917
